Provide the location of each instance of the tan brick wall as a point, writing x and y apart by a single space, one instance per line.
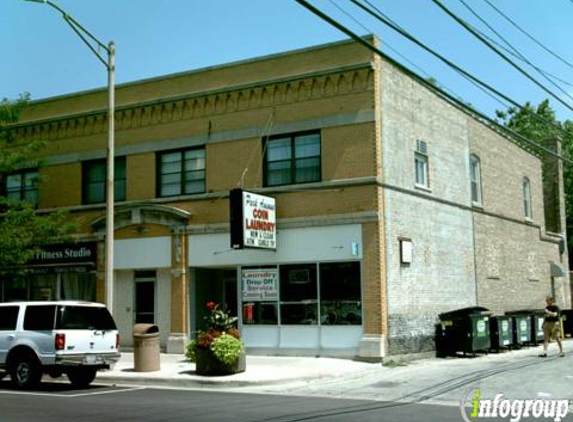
227 162
60 186
347 152
141 176
375 318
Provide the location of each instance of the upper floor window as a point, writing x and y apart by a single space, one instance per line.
475 179
421 164
291 159
527 198
181 172
23 186
94 181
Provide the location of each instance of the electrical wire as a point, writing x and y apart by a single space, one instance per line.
528 35
375 12
454 101
386 44
499 53
513 50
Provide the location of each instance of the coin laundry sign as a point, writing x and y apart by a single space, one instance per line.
253 220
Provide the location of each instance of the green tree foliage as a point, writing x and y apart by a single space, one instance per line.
22 230
524 122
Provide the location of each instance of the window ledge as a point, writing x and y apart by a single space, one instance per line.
423 188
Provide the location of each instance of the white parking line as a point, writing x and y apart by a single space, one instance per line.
94 393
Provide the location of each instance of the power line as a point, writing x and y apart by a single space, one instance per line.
558 57
514 51
387 45
499 53
393 25
454 101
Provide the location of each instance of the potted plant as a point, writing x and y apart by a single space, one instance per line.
218 349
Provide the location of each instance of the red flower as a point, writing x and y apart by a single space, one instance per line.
211 306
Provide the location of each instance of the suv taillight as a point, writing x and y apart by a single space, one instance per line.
60 341
117 341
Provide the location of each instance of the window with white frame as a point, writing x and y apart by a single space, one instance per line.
421 164
527 198
475 179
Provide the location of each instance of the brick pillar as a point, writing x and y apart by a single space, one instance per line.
373 345
179 293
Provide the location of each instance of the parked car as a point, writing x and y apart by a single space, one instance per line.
64 337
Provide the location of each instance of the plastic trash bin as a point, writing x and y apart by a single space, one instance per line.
466 330
146 354
501 330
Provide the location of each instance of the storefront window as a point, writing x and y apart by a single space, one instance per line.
298 294
340 297
294 294
15 289
42 287
78 287
260 294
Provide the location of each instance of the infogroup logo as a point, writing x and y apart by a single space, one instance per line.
514 410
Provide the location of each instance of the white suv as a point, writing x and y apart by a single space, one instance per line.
75 338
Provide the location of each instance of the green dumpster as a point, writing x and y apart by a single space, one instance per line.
501 330
466 330
567 321
521 327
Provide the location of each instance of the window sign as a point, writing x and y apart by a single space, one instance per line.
253 220
260 284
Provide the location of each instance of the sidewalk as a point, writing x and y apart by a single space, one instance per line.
176 370
517 373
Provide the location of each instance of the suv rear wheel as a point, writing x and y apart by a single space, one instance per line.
81 377
25 371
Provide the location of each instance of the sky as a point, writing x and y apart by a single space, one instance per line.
43 56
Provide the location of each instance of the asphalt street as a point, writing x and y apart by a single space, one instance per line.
57 402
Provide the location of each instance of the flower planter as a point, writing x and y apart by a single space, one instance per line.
207 364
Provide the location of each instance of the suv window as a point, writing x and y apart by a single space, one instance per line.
84 318
8 317
39 317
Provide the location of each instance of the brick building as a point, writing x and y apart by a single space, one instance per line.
393 204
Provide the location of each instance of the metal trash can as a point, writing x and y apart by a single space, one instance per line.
146 357
501 330
521 327
466 330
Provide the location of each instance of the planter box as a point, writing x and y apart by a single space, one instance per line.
207 364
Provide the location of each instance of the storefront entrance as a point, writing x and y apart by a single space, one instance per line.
217 285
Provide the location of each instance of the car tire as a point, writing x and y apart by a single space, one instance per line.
25 371
81 377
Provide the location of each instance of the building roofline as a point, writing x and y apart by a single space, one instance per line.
204 69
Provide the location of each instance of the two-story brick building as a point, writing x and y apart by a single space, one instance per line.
393 204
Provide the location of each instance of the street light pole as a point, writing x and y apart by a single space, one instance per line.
110 188
90 41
